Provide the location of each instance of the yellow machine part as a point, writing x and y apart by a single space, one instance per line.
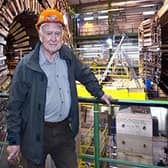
84 164
88 149
115 93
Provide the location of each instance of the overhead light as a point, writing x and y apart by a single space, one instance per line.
149 13
88 18
125 3
103 11
103 17
111 10
89 48
109 42
115 9
89 13
148 5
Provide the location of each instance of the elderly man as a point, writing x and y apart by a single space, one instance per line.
43 113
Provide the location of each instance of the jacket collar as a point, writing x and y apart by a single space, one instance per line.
32 59
65 53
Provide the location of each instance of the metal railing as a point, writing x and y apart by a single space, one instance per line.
97 158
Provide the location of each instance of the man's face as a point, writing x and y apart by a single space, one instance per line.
51 35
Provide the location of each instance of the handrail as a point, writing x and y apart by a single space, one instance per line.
97 158
152 103
3 143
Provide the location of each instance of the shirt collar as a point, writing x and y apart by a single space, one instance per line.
43 60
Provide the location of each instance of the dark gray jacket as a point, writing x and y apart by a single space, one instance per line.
25 116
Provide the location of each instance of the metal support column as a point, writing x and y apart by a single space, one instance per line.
96 135
110 21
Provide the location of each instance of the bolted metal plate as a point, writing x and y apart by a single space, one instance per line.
134 124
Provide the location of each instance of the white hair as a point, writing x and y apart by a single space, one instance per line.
42 26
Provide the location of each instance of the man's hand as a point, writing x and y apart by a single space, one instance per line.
106 98
13 153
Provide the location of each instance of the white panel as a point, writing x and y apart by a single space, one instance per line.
160 113
134 124
145 159
134 144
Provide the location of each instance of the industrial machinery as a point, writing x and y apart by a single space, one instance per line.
118 78
86 138
134 134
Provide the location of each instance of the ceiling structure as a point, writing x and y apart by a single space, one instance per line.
126 14
123 3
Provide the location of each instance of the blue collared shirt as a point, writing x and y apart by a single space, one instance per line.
58 99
